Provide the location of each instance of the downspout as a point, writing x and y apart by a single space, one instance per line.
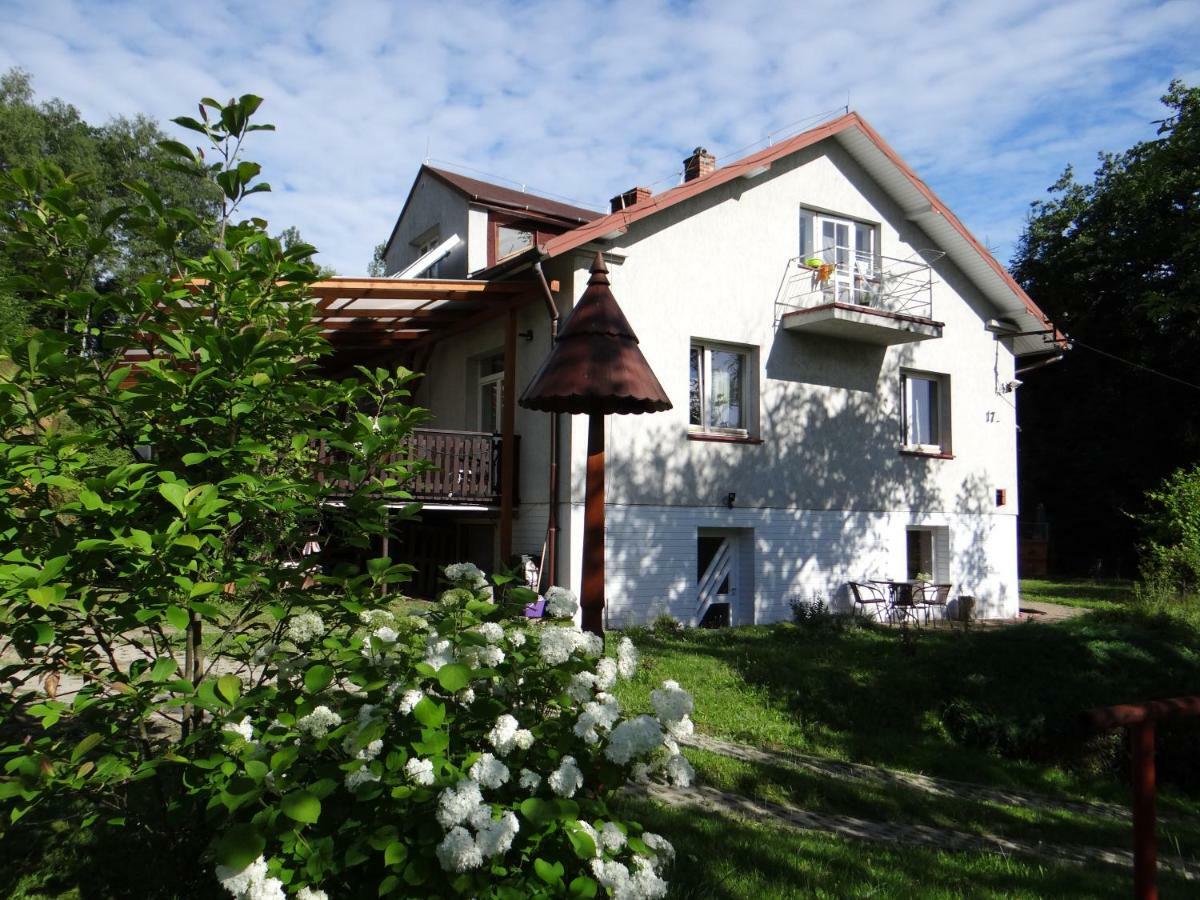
550 553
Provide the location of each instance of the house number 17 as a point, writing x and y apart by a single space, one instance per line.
990 416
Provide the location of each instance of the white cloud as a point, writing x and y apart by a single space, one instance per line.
988 101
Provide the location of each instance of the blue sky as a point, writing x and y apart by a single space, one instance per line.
583 99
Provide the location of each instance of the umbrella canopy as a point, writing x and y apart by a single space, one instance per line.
595 366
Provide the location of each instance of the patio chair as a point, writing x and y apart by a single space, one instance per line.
868 595
935 596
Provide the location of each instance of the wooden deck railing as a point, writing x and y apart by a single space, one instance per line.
465 466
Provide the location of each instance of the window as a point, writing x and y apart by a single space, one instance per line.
511 240
925 425
722 395
927 553
426 242
491 392
850 247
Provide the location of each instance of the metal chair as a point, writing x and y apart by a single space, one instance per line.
928 595
868 595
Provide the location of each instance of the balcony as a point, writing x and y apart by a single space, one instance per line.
858 297
465 467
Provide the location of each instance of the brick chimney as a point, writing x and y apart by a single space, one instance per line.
629 198
699 164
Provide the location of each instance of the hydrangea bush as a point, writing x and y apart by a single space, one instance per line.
187 651
468 751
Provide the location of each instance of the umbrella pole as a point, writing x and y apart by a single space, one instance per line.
592 595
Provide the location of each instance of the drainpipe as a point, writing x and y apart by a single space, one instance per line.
550 552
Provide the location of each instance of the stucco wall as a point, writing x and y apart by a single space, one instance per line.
431 204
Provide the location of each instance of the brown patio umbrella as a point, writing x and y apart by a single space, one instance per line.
595 368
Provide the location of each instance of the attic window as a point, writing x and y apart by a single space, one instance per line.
510 240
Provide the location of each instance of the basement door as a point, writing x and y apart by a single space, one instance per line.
717 577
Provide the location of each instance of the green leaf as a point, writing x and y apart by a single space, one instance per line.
537 811
583 887
454 677
257 769
45 596
301 806
429 713
395 854
229 687
175 494
550 873
85 745
317 678
585 846
177 618
164 667
239 846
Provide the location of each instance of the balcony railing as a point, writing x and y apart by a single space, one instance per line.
465 466
878 299
898 286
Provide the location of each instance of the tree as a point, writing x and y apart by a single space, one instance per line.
239 698
1116 265
377 267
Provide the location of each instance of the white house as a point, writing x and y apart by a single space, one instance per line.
842 356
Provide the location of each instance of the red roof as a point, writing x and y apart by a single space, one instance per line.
518 201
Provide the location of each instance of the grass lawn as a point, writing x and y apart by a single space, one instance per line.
1082 592
995 706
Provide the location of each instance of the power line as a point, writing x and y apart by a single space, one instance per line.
1077 343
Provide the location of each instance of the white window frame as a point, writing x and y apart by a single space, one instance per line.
857 260
748 400
424 244
486 382
939 410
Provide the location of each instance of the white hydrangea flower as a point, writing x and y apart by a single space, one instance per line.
310 893
376 618
507 735
410 699
645 883
602 712
370 751
493 632
489 771
610 838
633 738
606 674
523 738
360 777
673 705
558 644
319 722
466 573
268 889
495 836
530 780
439 652
419 771
386 634
466 696
561 603
456 803
483 657
581 686
680 771
592 645
305 627
458 852
566 779
243 728
627 658
516 638
238 881
659 844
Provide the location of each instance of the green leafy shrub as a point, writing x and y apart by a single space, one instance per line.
1171 552
184 651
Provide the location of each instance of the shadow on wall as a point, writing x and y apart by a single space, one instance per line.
816 490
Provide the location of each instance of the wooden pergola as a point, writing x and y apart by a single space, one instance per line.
389 320
407 318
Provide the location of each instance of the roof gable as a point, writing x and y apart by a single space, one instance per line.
882 163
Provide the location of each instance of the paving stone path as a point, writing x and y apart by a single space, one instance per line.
722 802
939 786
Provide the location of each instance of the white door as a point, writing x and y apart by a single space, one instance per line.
491 400
850 248
717 574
